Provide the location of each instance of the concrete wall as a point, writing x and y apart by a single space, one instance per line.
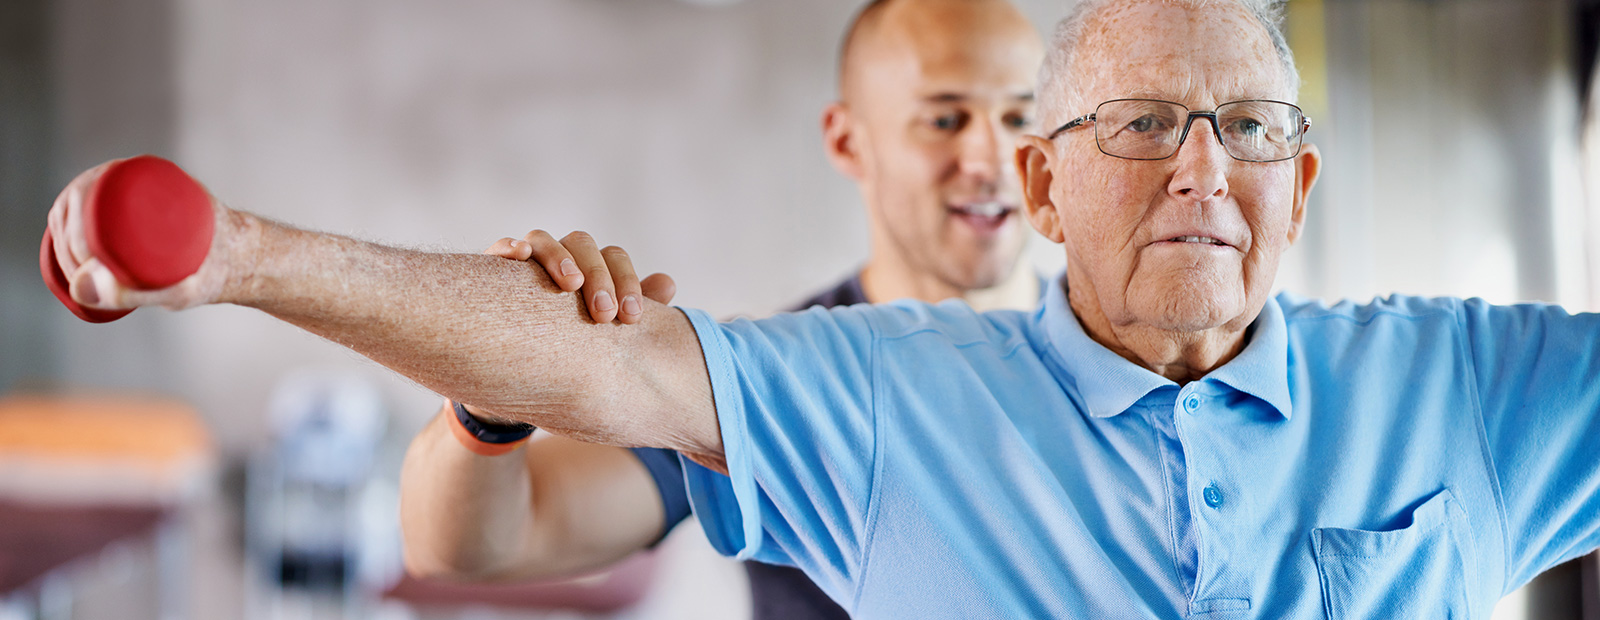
27 141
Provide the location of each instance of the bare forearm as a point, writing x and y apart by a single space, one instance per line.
482 330
451 322
553 508
462 515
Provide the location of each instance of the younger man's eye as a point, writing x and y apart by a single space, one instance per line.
948 122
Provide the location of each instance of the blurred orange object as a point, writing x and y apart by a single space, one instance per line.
102 449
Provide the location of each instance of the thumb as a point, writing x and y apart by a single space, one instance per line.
93 285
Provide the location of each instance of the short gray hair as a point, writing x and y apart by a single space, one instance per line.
1055 75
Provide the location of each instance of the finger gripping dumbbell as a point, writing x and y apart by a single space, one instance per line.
147 221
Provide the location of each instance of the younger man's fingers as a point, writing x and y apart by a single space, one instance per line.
659 287
630 301
556 260
505 247
598 291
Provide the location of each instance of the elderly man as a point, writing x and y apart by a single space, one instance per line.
1161 439
933 94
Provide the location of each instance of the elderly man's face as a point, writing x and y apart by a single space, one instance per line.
1130 227
939 98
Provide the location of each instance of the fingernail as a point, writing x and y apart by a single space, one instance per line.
630 305
602 300
568 268
104 283
89 292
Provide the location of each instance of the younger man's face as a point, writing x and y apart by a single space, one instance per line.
940 95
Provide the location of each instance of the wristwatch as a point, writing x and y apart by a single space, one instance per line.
487 438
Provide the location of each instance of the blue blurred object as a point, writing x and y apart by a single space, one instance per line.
308 491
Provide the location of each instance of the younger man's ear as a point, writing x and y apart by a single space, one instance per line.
839 140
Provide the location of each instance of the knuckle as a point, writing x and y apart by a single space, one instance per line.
578 236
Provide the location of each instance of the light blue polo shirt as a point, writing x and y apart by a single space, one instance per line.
1410 458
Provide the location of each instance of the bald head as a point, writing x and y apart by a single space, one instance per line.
892 32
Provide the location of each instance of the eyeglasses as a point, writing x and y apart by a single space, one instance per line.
1257 130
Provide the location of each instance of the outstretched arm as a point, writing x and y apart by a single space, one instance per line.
478 329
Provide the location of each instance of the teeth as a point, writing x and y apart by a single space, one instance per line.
984 209
1193 239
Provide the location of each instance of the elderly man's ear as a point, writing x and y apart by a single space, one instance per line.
1033 157
1307 167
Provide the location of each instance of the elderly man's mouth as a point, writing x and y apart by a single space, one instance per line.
1193 242
1196 239
983 217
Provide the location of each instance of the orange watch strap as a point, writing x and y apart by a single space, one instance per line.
472 442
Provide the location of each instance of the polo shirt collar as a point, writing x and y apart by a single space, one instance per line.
1109 384
1262 368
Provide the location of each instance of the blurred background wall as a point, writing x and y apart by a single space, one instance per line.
688 133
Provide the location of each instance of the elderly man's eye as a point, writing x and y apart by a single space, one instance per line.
1249 127
1148 122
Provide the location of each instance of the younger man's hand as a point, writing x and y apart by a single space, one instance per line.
611 288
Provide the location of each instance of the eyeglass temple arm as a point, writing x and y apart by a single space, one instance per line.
1072 124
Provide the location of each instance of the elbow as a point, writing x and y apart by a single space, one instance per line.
468 567
447 566
423 567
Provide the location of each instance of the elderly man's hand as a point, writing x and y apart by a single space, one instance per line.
605 275
91 282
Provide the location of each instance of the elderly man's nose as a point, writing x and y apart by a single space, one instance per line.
1202 170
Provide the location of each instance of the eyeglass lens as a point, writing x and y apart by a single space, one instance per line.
1148 129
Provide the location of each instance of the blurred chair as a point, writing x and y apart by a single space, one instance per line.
90 484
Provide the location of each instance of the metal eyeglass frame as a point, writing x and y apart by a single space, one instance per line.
1305 125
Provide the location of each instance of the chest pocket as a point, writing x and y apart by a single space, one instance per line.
1418 571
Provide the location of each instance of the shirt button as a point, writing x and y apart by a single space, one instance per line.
1191 404
1213 496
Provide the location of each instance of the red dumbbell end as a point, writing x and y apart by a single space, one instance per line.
147 221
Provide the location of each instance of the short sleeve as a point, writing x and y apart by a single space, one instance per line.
666 470
794 399
1538 379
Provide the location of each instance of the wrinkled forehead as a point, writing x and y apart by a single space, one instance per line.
1196 53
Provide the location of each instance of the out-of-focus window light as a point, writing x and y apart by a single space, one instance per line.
1591 188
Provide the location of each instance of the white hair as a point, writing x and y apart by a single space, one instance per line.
1055 89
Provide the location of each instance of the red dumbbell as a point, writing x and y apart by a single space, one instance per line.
147 222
